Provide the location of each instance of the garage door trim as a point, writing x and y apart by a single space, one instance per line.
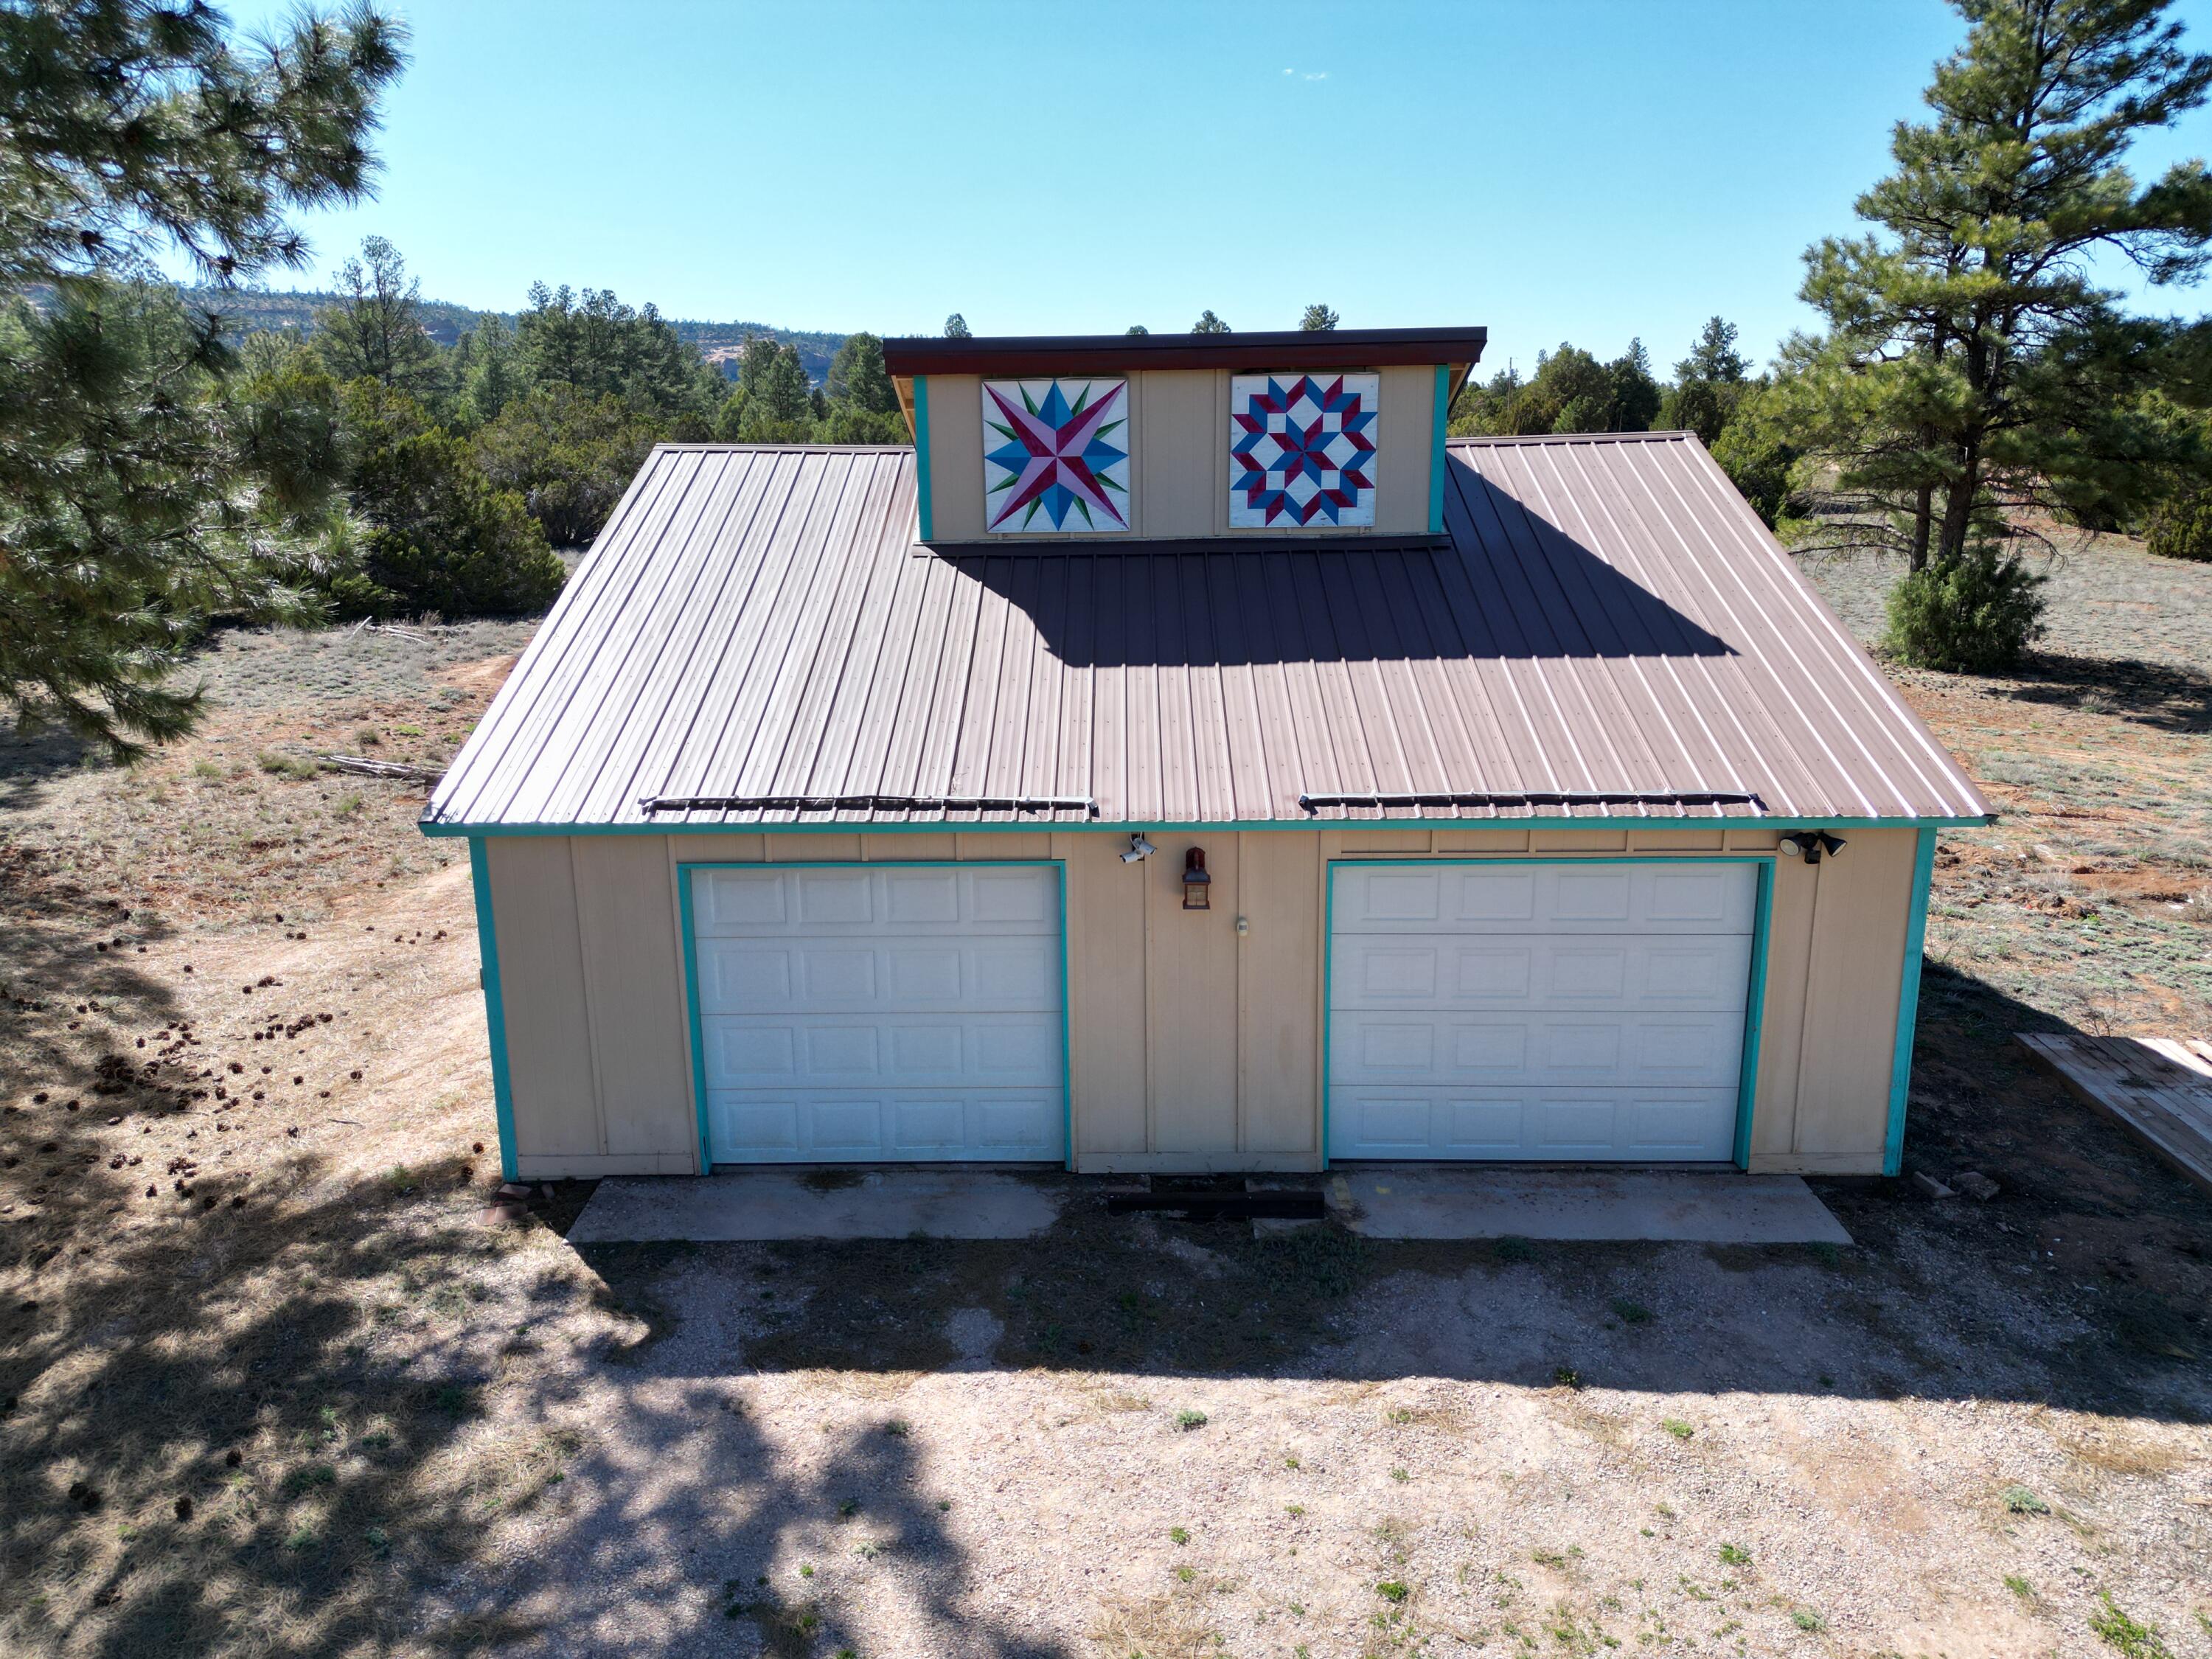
697 1031
1754 1009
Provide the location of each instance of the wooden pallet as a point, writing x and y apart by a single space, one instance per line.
2158 1088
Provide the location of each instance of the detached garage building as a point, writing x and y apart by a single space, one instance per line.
1185 757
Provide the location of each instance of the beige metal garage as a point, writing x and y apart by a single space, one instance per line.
1019 800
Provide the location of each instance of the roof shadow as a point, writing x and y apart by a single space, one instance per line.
1509 584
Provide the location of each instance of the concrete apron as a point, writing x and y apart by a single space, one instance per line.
1494 1200
755 1205
1378 1200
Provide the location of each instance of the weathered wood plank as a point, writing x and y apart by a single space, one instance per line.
2153 1087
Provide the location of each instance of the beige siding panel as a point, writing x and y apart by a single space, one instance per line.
815 848
551 1167
1006 844
956 457
1782 1020
1851 997
627 919
1106 995
1180 473
1190 996
1674 841
1405 451
541 975
1386 841
1278 993
1578 840
892 849
715 850
1753 841
1482 840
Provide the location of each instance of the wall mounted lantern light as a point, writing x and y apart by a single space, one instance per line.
1811 845
1195 881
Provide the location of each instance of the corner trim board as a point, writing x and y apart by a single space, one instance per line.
921 456
1908 1002
1746 1090
1437 449
502 1090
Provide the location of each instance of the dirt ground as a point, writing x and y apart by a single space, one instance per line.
267 1387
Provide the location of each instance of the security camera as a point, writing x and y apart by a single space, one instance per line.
1140 850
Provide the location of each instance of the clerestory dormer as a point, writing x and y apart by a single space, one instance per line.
1085 438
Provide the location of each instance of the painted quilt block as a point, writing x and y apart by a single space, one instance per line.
1055 456
1301 450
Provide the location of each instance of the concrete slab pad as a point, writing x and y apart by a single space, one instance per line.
754 1205
1685 1207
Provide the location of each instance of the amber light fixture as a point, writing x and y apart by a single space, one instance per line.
1195 882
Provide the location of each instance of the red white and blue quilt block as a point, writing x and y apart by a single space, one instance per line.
1055 456
1301 450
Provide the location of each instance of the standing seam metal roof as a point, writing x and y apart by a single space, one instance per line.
1605 616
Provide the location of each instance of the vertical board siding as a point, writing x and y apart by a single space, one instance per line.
1188 1047
547 1013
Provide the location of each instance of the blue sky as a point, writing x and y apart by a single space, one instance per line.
1585 170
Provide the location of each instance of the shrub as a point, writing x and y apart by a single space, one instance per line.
569 457
440 535
2180 526
1974 614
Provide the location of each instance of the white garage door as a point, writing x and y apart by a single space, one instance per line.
1591 1011
878 1014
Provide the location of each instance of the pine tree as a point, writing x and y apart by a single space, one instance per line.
1318 320
1935 392
1714 358
144 486
857 375
1207 323
374 331
956 328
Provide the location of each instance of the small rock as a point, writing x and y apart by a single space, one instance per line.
1975 1185
233 1458
545 1190
1929 1186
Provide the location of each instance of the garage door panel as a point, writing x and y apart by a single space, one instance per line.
1569 1011
1670 971
754 976
1662 896
1563 1125
925 1125
881 1013
874 901
1687 1049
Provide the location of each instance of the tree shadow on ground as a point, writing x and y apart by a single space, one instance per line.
61 945
1936 1301
282 1415
2171 697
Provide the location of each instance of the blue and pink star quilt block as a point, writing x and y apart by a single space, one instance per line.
1055 456
1301 450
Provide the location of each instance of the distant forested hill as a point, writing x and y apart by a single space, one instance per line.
445 322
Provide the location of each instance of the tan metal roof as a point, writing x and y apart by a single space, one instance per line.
1606 630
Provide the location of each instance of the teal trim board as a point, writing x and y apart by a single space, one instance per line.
1436 458
1908 1003
1328 967
922 455
1124 826
691 1018
502 1091
1066 1029
1762 910
691 970
1754 1016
